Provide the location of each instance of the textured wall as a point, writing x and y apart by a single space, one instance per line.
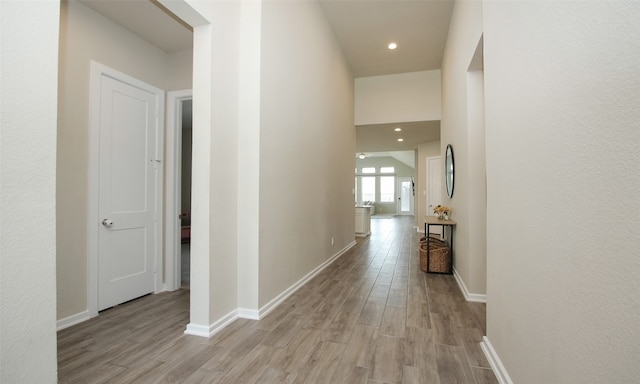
29 72
563 171
460 128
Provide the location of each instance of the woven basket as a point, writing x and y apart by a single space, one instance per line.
433 236
437 260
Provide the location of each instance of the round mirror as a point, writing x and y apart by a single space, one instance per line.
448 170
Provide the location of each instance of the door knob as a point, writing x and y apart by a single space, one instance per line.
107 223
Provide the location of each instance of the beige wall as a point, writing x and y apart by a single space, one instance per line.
29 72
216 187
307 145
179 70
464 131
85 36
563 173
425 150
403 97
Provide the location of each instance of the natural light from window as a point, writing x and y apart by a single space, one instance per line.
387 188
387 169
368 188
368 169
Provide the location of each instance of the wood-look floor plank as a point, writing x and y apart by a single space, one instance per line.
419 349
452 365
388 359
418 314
484 376
340 329
400 282
223 362
299 350
361 347
444 329
284 332
134 375
417 293
175 350
380 291
326 312
231 334
180 369
370 317
276 376
439 302
350 374
103 373
393 322
397 297
92 358
202 376
471 338
363 288
415 375
372 313
323 364
250 367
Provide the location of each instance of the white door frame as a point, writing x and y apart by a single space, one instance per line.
429 178
173 179
97 71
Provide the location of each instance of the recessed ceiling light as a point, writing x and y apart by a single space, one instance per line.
398 129
392 46
400 139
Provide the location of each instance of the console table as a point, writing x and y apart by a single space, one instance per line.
433 220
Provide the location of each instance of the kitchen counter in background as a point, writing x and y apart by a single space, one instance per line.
363 220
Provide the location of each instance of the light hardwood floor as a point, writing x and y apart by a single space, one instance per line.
371 317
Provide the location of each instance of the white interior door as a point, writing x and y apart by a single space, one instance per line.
434 189
129 190
405 196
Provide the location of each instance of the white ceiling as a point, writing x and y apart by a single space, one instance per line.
363 28
382 137
147 19
406 157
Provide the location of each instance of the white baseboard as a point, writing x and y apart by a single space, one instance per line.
210 330
72 320
495 362
251 314
270 306
477 297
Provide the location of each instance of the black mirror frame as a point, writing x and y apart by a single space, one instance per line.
449 170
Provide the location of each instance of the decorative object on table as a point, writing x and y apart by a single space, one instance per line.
442 211
448 170
442 260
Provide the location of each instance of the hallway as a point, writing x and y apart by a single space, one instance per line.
370 317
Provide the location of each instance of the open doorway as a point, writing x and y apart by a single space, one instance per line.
185 193
178 209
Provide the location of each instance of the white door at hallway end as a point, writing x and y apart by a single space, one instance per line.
129 189
405 195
